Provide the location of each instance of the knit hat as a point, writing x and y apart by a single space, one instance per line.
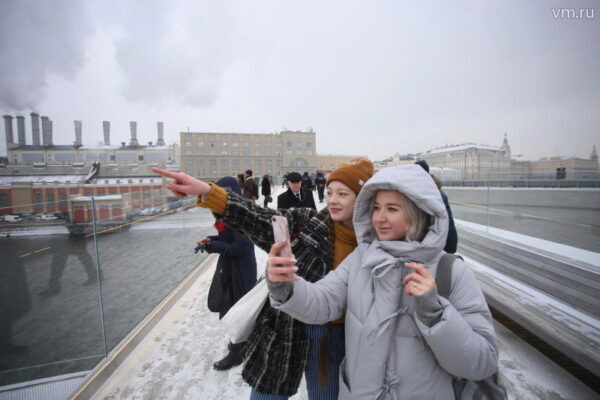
229 182
353 174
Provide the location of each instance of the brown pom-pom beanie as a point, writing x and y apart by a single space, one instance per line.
353 174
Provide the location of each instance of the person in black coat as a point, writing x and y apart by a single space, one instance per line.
452 238
320 182
235 274
307 182
295 197
265 190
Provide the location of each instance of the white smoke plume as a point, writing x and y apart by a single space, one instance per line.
38 38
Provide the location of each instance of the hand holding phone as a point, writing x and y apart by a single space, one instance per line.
277 271
281 233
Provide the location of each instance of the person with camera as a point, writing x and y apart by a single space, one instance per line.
235 273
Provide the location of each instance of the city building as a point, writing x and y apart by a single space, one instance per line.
574 168
472 160
46 194
210 155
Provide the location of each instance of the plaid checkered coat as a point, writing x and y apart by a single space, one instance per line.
276 352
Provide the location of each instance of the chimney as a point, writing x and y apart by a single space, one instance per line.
78 141
160 141
45 131
133 126
35 128
106 129
8 128
21 129
50 130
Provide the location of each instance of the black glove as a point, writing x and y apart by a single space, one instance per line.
201 248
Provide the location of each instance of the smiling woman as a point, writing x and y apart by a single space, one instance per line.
396 217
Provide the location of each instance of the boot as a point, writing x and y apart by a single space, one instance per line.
232 359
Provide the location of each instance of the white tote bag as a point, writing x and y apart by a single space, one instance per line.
240 320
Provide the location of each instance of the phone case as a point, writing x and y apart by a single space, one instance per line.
281 233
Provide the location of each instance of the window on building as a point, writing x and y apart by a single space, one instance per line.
212 166
224 165
3 202
236 165
200 167
189 167
63 199
308 144
246 163
140 158
37 199
188 144
289 144
50 198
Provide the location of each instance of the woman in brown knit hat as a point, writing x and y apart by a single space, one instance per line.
281 348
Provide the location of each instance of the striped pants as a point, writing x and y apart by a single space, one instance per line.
336 350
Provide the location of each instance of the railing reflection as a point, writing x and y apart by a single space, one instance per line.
561 211
69 296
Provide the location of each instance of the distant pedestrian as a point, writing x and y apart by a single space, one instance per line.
284 181
250 189
306 182
266 190
320 184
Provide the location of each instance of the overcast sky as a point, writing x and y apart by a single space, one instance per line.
370 77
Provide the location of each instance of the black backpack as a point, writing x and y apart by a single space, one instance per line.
464 389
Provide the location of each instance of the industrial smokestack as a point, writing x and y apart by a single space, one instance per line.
35 128
45 130
8 128
161 140
50 133
106 130
78 141
133 127
21 129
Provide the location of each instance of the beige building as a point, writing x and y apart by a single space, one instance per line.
472 160
328 162
575 168
211 155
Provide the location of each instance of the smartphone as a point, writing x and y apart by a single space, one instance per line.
281 233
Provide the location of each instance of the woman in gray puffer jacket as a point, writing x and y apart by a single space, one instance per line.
403 340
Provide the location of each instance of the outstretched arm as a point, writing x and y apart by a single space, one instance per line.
183 184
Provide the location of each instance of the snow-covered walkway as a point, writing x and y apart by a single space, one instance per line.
174 361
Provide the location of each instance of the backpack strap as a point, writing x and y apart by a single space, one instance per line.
443 274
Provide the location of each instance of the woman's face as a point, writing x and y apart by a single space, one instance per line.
340 201
389 219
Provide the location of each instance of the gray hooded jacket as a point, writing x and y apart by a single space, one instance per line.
390 352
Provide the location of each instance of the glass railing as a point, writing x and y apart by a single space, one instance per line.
74 283
564 210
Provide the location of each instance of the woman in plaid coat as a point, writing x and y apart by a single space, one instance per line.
281 348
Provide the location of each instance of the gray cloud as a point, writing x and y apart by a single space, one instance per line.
172 53
38 38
